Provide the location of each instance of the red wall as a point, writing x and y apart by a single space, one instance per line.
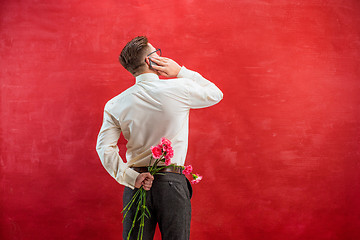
280 154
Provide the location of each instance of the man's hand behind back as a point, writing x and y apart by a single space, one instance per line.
145 180
167 67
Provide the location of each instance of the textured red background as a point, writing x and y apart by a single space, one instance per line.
280 154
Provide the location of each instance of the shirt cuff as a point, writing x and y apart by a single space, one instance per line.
130 177
185 73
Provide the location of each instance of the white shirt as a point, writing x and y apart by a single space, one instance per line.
147 111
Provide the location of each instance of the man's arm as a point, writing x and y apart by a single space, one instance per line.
108 152
203 93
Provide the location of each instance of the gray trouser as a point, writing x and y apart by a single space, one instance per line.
168 201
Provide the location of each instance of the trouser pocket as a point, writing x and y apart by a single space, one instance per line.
189 188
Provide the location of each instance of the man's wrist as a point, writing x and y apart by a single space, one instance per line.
177 71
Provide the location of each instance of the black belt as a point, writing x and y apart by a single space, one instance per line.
171 169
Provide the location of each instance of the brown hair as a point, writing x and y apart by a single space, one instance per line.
132 57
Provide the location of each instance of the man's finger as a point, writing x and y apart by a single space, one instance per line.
158 60
147 182
159 68
147 185
162 73
148 175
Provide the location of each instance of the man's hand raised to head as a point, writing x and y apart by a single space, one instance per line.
145 180
167 67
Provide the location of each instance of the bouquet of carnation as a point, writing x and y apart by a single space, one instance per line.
161 153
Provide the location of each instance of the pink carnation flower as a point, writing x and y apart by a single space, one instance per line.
188 169
167 162
166 142
156 151
166 148
197 178
169 153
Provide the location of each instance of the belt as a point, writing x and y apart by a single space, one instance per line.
170 169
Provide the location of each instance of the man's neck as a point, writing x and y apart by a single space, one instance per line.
147 71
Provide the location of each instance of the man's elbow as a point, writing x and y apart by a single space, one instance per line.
218 96
221 95
106 151
101 150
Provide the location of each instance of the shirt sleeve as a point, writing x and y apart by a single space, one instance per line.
108 152
203 93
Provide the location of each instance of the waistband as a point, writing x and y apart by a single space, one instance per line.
169 169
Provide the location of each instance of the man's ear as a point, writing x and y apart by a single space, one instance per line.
147 61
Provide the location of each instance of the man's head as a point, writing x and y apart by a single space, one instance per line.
133 55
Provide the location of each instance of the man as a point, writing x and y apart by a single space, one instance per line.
144 113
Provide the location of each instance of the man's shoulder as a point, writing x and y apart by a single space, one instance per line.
121 96
171 85
178 81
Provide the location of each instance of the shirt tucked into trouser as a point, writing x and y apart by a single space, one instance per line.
168 201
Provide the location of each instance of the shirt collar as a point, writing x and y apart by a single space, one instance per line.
147 77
